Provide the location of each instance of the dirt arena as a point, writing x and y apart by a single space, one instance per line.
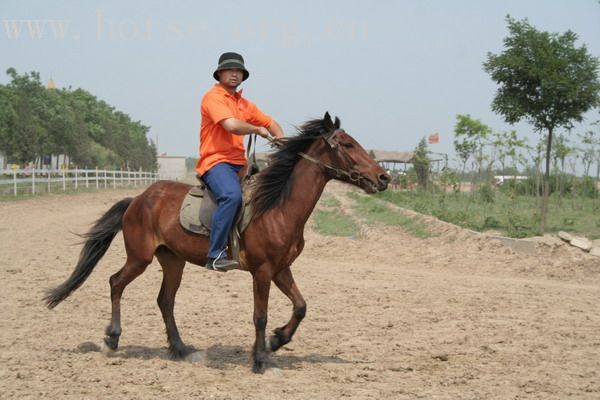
455 316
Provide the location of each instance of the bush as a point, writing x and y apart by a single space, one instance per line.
460 218
487 194
568 184
491 223
561 183
586 187
520 188
520 227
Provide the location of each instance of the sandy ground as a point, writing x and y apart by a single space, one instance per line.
455 316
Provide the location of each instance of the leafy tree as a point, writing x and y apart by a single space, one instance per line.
509 145
545 79
24 142
35 122
26 134
593 136
470 138
588 153
8 117
421 163
59 124
560 152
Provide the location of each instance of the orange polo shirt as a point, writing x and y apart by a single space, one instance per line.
216 144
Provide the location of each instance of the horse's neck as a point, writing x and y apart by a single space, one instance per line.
307 187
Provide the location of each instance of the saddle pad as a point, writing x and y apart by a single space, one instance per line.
195 213
198 207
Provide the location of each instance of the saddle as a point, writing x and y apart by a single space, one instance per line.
199 205
197 210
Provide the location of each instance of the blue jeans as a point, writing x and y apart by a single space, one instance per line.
223 182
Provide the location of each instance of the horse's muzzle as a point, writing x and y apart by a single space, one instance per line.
382 181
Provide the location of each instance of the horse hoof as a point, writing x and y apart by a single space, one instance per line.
105 348
195 357
275 342
110 343
261 364
259 367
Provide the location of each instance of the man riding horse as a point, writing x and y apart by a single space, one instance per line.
284 196
226 117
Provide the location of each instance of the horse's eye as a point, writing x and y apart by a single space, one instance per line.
347 145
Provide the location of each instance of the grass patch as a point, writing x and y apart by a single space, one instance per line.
334 223
329 202
328 220
373 210
510 215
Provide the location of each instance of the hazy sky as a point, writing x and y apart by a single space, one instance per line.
393 71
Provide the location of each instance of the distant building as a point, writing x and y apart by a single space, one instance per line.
51 84
171 167
501 179
390 159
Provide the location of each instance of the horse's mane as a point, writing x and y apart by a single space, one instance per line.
274 182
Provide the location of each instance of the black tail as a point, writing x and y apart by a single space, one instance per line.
98 241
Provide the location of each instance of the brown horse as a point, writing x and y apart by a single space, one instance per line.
285 195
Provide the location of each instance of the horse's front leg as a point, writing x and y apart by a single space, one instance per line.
131 270
285 282
262 285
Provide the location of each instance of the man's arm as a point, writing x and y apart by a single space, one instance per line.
239 127
275 130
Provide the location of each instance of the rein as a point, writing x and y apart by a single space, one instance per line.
352 175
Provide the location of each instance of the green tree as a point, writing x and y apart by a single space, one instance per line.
545 79
595 143
59 124
470 139
35 122
27 135
588 152
509 145
560 152
8 118
421 163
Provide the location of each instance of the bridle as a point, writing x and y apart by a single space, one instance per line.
352 175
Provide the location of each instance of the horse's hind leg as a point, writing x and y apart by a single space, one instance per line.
131 270
285 282
172 266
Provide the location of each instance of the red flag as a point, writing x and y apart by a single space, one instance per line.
433 138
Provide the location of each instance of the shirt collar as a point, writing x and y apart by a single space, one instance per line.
237 95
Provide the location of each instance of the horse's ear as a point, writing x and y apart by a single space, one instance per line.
336 124
327 123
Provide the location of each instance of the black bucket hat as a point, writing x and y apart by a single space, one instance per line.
231 61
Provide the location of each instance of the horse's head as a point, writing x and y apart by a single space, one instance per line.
346 160
323 143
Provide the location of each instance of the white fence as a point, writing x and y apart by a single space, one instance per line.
35 181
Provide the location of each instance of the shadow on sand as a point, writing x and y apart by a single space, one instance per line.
217 356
